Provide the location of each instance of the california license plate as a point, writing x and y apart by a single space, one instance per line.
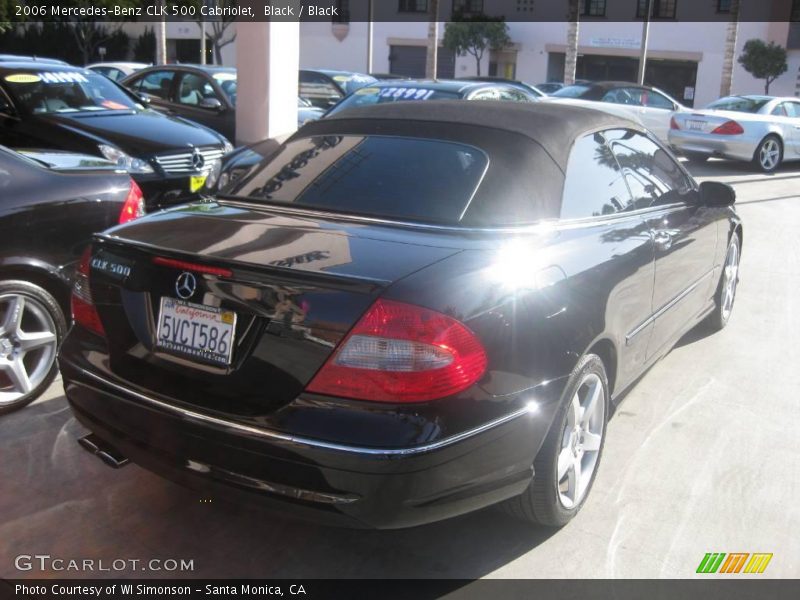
196 182
695 125
196 331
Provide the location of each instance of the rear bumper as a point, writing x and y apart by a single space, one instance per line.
342 485
735 147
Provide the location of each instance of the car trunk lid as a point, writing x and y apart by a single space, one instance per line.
295 284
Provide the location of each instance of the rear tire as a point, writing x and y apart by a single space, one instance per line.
726 289
32 326
769 154
576 437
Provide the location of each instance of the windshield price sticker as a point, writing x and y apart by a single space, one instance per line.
406 93
63 77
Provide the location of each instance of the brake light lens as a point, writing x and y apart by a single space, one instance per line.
673 124
190 266
134 204
729 128
399 352
84 312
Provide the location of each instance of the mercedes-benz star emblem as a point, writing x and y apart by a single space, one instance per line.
197 160
185 285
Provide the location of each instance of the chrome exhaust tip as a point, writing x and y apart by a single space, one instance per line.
103 450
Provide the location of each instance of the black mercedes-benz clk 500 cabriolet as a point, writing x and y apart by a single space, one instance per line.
404 313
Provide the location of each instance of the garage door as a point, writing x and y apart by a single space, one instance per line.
410 61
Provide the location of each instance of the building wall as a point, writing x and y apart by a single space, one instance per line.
704 42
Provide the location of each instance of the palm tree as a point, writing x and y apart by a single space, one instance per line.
571 58
432 57
730 50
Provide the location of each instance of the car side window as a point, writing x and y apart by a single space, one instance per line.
653 176
653 99
793 109
512 95
157 84
594 184
318 87
487 94
629 96
194 88
780 110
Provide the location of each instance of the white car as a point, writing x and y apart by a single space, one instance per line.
116 70
648 106
761 129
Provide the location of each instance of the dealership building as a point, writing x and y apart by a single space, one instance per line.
685 56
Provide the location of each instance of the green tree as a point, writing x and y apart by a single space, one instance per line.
763 61
144 50
474 35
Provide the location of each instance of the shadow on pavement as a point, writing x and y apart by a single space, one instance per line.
732 168
59 500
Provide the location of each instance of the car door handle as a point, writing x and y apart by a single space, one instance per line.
662 239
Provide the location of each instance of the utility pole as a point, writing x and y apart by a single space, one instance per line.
369 38
645 33
161 38
432 55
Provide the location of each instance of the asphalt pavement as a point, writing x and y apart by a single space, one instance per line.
703 455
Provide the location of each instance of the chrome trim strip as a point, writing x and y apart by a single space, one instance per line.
543 226
665 308
303 441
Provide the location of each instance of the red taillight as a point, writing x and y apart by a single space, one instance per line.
729 128
673 124
402 353
134 204
190 266
83 310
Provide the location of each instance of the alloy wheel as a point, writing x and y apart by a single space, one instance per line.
28 343
770 154
581 440
730 281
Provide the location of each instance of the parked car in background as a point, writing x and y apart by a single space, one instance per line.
417 90
205 94
75 109
764 130
325 87
39 59
117 70
404 313
532 90
50 205
648 106
549 87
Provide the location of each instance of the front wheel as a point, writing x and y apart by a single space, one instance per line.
31 327
566 465
769 154
726 289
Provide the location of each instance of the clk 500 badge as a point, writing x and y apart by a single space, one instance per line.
110 267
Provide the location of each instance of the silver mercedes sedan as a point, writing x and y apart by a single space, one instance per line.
761 129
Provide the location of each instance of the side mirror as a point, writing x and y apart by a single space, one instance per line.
718 194
211 104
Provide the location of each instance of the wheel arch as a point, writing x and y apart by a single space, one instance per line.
39 273
607 351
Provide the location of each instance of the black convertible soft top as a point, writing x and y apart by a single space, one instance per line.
553 126
527 146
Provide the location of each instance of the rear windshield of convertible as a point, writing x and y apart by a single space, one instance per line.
402 178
